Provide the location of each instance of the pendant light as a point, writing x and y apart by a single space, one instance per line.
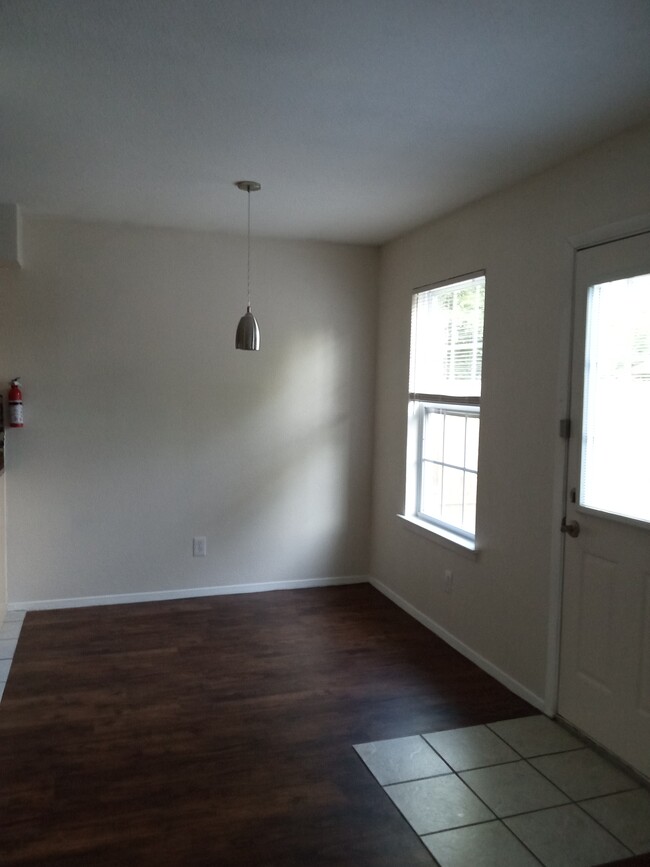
248 331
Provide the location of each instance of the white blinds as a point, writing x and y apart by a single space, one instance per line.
447 340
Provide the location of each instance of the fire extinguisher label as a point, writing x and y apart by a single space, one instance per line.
15 414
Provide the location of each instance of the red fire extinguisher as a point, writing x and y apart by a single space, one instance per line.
15 404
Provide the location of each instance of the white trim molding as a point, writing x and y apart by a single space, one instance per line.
189 593
262 587
487 666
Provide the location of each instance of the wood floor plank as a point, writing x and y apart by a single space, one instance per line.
219 731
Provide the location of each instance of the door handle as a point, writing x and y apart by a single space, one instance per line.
571 529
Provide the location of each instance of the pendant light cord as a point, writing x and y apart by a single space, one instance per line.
249 249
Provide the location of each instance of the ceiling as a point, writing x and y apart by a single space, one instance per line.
361 118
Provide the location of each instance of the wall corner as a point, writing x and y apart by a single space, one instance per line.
11 235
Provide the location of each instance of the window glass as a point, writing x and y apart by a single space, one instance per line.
471 443
445 388
454 450
469 502
452 496
431 493
447 339
615 474
433 437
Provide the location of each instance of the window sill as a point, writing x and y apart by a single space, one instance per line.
437 534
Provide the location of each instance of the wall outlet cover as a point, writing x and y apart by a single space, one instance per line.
199 546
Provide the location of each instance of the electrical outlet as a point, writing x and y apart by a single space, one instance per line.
199 546
449 580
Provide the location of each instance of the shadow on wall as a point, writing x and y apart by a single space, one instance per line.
292 493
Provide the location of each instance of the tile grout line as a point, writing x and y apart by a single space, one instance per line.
527 760
578 803
497 818
600 824
19 621
487 822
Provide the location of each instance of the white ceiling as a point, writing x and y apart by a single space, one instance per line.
361 118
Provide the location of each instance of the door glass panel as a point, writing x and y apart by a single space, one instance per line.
615 475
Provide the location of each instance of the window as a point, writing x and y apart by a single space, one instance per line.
444 406
615 475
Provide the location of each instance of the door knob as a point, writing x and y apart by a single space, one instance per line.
571 529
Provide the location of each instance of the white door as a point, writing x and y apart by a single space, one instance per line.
605 649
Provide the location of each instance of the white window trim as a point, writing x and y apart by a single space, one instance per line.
464 407
434 530
436 534
448 536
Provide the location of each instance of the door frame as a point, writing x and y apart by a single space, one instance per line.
593 238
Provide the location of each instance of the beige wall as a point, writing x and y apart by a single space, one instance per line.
10 250
144 426
503 598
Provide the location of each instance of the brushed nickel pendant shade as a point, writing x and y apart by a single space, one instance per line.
248 331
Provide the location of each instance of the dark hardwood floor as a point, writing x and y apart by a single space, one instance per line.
219 731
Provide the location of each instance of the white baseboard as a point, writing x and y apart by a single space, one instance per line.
487 666
188 593
230 589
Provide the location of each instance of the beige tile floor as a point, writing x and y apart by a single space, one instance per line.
9 632
512 794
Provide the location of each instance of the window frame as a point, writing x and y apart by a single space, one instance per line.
420 404
465 411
